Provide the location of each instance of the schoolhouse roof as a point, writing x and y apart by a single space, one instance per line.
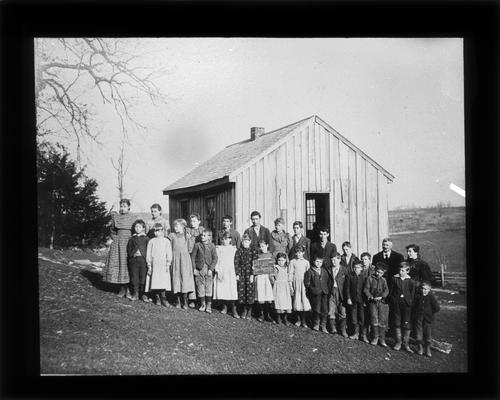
237 155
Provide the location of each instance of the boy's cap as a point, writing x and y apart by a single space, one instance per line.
381 265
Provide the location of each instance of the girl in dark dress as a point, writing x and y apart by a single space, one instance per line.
419 269
243 262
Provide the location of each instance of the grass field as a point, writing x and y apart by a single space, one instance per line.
436 245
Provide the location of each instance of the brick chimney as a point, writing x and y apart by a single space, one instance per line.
256 132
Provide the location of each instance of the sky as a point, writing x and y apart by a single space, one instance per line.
399 100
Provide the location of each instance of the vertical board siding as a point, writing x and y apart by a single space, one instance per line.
383 226
372 208
316 157
323 156
344 195
311 160
353 206
335 143
361 204
331 182
252 192
259 182
281 192
246 198
298 178
304 162
238 212
291 166
311 186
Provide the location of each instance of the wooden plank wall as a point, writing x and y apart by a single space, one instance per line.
223 204
315 160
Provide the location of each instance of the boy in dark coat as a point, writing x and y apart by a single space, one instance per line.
353 288
348 258
137 266
324 249
204 259
317 281
376 292
298 239
336 303
424 308
401 293
257 232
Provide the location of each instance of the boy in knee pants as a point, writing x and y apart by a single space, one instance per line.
204 259
376 292
424 308
401 293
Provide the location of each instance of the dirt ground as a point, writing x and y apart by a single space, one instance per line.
86 329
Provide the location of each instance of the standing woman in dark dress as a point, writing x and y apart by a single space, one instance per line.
116 270
419 269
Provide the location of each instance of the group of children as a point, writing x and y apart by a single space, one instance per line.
303 278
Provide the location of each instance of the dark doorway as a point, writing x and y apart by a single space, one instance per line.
317 214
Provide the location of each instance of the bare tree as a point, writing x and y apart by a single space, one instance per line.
68 70
121 170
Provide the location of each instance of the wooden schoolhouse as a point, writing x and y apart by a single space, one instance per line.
305 171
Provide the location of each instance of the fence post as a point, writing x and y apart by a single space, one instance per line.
442 275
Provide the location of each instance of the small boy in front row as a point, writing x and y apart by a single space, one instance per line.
353 292
204 259
137 247
424 308
317 281
376 291
401 293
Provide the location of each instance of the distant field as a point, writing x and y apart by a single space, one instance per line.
439 219
451 244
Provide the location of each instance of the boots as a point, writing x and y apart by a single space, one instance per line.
224 309
397 332
244 312
331 325
355 335
178 302
316 322
381 332
406 341
428 350
375 335
303 322
163 299
297 322
323 325
234 310
123 291
420 349
343 331
184 301
267 312
260 318
277 319
203 306
209 305
363 335
249 310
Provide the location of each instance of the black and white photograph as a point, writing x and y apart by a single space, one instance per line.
251 205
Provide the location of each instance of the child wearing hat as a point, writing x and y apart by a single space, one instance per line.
401 293
243 263
376 292
318 281
424 308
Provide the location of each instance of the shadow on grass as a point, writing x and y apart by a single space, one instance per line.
95 279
